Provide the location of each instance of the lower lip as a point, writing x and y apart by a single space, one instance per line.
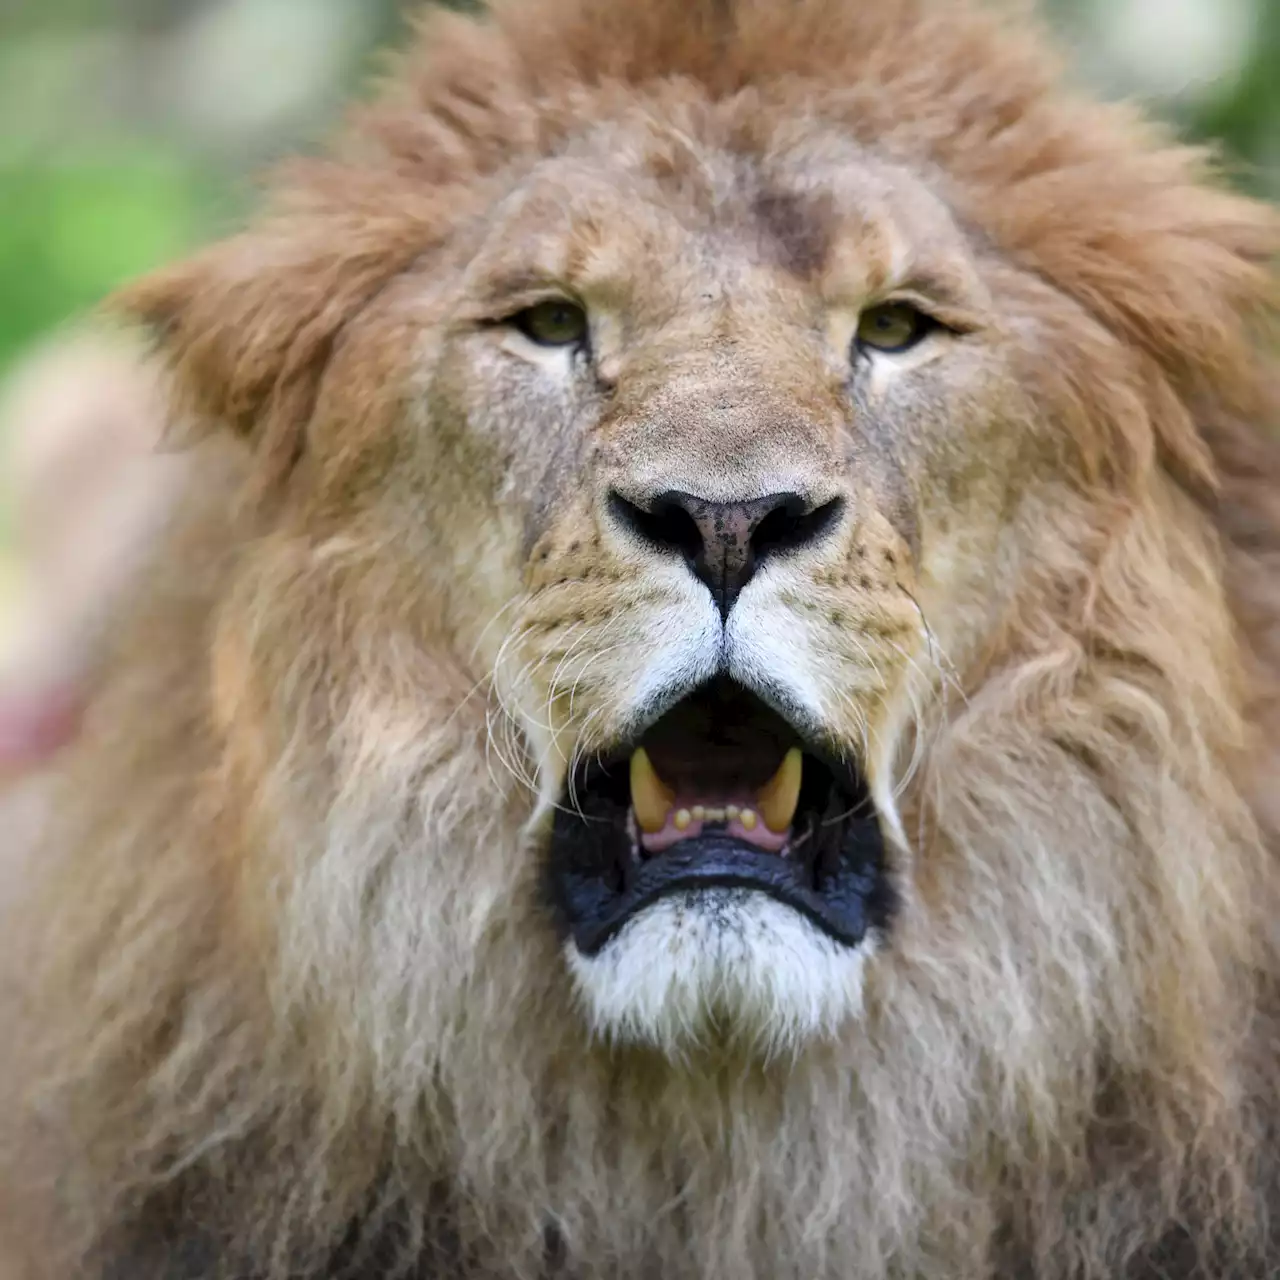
849 904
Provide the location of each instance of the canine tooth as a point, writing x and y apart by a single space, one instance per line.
650 798
748 819
699 812
778 799
731 811
683 819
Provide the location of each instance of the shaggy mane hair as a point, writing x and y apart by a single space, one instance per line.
237 1049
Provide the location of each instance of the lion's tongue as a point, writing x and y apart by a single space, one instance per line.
665 817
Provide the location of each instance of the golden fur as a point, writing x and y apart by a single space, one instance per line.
286 1000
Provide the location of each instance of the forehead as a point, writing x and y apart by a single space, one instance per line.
644 207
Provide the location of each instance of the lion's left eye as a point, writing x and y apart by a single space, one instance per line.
892 328
555 323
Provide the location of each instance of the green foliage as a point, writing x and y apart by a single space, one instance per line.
72 232
1246 118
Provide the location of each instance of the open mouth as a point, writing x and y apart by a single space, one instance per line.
721 792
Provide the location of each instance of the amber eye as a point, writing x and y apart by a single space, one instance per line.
893 327
555 323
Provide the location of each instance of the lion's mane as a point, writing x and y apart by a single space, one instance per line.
240 1045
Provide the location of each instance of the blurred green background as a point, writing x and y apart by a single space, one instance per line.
132 129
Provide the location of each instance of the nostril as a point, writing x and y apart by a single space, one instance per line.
666 524
672 526
723 543
791 525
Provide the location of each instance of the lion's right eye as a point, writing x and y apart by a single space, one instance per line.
555 323
893 328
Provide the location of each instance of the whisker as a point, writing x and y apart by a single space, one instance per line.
484 631
937 654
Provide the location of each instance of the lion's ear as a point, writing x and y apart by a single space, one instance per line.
246 327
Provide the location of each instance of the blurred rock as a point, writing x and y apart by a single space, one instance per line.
81 419
248 70
1189 51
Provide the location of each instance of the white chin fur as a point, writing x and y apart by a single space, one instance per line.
718 964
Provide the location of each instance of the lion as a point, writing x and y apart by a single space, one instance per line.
708 704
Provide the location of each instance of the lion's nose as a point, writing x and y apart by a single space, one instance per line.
725 542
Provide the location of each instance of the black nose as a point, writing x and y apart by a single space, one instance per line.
724 542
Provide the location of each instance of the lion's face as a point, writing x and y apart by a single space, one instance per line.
713 453
776 490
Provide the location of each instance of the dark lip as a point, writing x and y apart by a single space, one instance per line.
595 885
850 903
